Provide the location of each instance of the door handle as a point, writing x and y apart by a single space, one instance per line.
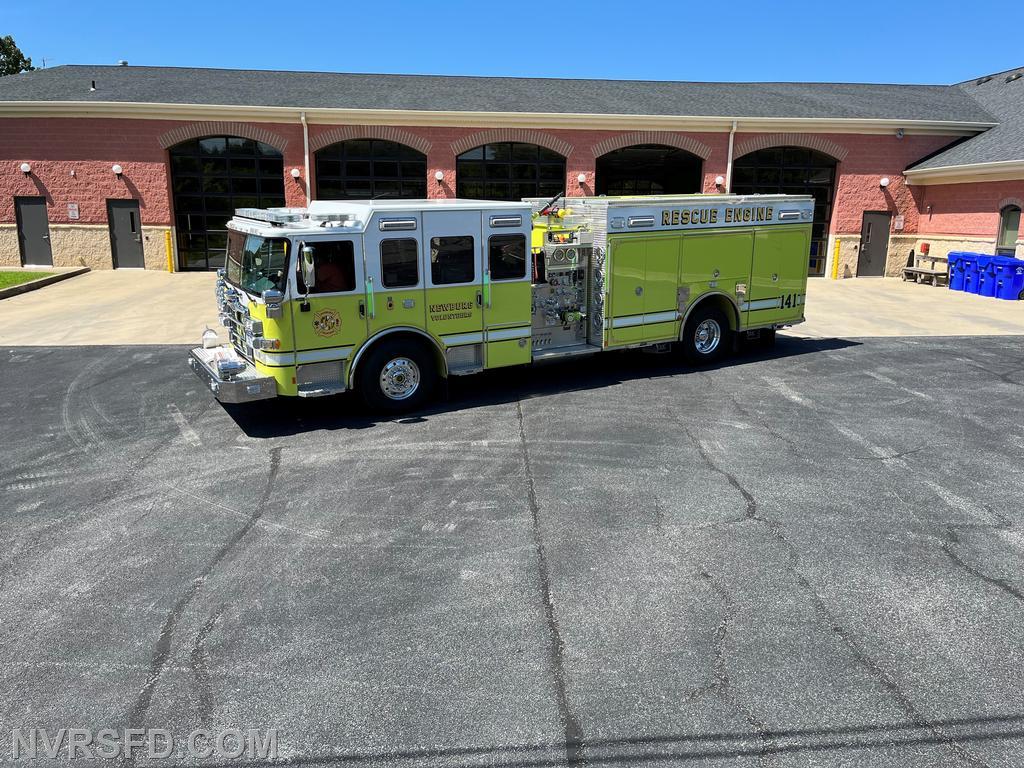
639 290
362 309
479 298
46 237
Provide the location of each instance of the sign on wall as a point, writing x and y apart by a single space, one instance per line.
897 224
72 211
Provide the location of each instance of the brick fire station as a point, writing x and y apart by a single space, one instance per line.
124 166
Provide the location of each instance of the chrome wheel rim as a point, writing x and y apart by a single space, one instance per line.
400 379
707 336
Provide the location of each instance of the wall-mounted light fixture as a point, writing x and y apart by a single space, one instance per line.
117 169
73 174
883 182
295 172
438 176
719 181
26 168
899 133
581 178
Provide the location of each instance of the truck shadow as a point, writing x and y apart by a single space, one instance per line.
288 416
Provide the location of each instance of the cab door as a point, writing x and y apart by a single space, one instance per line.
330 321
394 275
507 293
454 278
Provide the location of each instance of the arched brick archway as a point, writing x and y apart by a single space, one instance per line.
518 135
664 138
808 141
184 133
383 133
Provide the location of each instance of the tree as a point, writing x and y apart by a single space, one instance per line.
12 60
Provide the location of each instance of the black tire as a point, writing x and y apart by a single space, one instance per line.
767 338
706 338
386 372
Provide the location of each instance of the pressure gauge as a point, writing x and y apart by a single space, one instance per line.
571 255
559 255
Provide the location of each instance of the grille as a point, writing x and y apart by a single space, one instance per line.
234 315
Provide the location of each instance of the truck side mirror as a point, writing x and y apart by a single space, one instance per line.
273 298
308 267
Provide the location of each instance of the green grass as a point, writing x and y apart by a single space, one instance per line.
7 279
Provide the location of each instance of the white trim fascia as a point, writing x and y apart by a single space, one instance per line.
962 174
723 124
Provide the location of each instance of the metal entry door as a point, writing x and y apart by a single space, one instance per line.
33 231
874 244
125 233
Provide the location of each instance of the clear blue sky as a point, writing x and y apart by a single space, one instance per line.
827 40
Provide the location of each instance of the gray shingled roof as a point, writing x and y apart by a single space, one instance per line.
172 85
1004 142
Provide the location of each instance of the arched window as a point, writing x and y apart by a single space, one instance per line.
1009 230
210 178
647 169
363 169
509 170
792 171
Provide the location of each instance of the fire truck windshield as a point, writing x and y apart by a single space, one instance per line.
256 264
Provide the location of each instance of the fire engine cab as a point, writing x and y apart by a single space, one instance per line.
388 296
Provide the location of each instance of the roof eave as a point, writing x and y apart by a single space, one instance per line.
717 123
1001 170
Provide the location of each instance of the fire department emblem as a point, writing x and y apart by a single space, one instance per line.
326 322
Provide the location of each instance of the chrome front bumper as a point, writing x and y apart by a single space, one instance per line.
245 387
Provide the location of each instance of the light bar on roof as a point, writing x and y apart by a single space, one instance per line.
272 215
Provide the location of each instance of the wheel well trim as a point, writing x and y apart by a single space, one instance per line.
703 298
350 378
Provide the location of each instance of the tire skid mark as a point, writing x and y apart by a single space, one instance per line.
199 665
573 733
162 652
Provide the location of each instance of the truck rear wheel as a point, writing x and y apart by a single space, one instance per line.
706 338
397 376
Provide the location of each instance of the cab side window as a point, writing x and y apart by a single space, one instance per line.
399 263
335 264
451 260
506 257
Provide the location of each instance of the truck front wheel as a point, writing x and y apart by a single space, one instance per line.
397 376
706 338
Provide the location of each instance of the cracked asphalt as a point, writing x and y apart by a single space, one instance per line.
809 557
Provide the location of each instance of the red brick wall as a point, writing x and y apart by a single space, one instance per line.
966 209
55 146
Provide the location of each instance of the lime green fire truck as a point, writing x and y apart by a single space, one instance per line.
388 296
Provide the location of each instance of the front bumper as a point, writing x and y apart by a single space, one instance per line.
245 387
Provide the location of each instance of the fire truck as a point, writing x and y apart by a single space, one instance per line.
388 297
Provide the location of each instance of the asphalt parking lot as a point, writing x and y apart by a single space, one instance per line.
810 557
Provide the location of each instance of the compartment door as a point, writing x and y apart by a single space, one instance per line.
661 284
627 277
778 275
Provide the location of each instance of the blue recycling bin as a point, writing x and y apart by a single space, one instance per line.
986 275
956 271
1009 278
970 262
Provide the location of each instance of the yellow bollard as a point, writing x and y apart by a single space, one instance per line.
170 251
835 261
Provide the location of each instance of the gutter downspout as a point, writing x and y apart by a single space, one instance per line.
728 166
305 151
